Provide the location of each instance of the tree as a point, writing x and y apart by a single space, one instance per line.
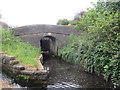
62 22
77 18
79 15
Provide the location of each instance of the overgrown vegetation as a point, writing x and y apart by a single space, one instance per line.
24 52
22 77
97 48
62 22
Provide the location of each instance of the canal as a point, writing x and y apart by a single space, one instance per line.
64 75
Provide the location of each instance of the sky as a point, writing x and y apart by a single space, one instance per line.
27 12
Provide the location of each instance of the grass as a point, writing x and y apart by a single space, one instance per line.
14 46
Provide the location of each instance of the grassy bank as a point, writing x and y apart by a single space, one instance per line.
14 46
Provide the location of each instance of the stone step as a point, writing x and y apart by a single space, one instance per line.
13 62
8 57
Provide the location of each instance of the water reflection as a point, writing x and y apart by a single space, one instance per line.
61 71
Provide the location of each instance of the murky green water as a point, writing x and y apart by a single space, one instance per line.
63 73
65 76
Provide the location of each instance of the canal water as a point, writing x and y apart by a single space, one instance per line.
65 76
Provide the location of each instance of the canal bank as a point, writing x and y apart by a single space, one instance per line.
63 75
22 76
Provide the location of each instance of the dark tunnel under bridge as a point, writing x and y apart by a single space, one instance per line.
48 47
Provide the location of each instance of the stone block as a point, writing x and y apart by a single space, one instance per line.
9 57
13 62
41 58
19 67
3 61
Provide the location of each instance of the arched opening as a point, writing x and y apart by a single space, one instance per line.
48 47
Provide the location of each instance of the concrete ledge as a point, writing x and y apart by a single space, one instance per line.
22 76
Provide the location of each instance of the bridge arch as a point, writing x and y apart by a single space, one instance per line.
49 43
57 34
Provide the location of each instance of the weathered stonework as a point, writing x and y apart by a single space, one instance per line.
34 33
4 26
41 58
22 76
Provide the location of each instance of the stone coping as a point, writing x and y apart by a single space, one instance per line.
20 74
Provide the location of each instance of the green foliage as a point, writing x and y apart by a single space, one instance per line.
79 15
77 18
22 77
97 16
0 40
62 22
97 49
24 52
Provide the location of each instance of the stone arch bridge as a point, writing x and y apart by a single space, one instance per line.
40 35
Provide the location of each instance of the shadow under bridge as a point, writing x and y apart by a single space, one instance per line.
48 46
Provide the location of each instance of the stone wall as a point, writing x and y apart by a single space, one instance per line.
20 74
3 25
33 33
34 39
42 28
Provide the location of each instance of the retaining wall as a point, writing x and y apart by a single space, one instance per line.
20 75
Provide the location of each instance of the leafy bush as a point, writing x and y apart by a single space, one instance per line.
62 22
24 52
97 49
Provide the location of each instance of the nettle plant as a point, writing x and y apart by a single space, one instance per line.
98 47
